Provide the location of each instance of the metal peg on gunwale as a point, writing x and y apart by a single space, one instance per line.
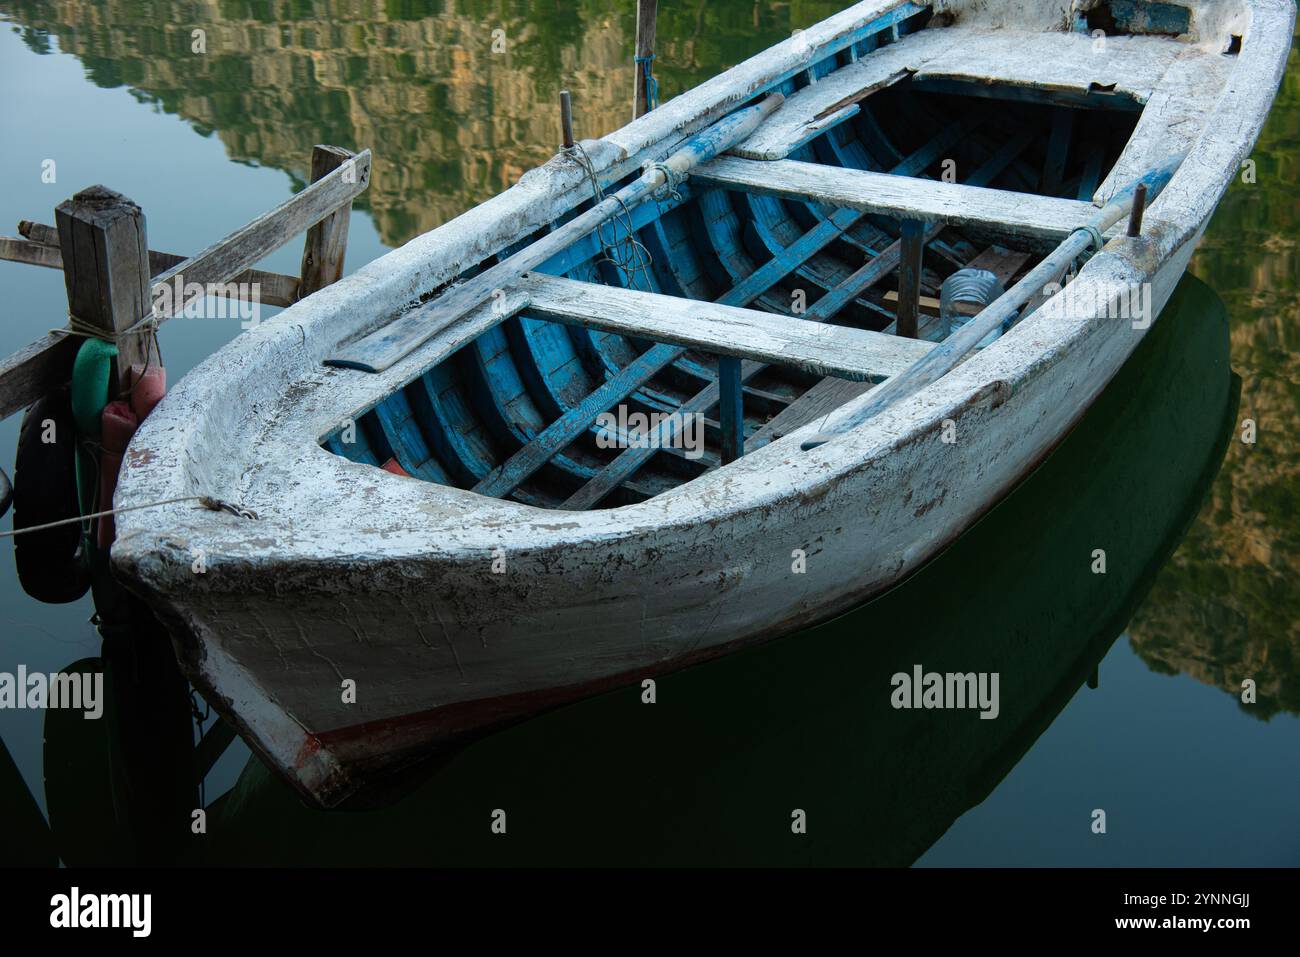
1139 207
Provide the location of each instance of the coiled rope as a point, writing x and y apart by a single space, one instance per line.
624 252
79 327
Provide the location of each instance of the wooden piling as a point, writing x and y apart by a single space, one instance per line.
98 222
646 11
106 272
566 119
327 241
909 277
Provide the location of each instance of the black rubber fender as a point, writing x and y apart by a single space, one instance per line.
50 563
6 493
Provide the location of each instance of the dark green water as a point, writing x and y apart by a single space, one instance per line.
1203 549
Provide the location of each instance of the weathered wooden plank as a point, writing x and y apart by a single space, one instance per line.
106 272
1003 263
17 250
1066 63
34 370
721 329
327 240
834 98
268 232
902 197
274 289
928 305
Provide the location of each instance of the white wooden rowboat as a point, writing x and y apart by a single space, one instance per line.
520 562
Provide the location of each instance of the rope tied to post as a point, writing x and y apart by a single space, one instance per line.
86 330
651 81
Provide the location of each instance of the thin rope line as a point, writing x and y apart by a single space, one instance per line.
626 254
213 504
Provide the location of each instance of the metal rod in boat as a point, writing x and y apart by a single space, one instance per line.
386 346
947 354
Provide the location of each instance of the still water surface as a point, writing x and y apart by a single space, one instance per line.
1199 527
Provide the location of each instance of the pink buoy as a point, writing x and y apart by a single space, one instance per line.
119 424
147 389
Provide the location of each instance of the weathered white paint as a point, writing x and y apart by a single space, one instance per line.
1061 62
353 572
826 103
1174 117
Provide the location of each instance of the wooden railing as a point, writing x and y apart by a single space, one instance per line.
99 241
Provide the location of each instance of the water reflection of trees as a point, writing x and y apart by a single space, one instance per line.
1228 606
451 122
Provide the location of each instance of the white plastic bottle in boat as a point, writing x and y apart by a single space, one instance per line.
977 287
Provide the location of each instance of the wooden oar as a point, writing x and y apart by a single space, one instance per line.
939 361
384 347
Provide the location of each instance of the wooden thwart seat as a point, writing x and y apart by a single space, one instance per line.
902 197
724 330
1067 66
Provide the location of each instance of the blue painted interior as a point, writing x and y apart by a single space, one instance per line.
463 421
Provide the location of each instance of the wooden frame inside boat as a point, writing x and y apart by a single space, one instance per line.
767 289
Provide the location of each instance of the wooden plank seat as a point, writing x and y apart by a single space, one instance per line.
1071 68
1066 67
818 347
903 197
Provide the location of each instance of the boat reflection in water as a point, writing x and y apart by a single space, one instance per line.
714 770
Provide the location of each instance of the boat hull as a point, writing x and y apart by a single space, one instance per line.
365 620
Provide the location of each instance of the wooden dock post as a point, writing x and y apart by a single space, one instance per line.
646 11
106 272
909 277
327 241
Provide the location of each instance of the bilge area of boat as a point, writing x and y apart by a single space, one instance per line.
737 236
